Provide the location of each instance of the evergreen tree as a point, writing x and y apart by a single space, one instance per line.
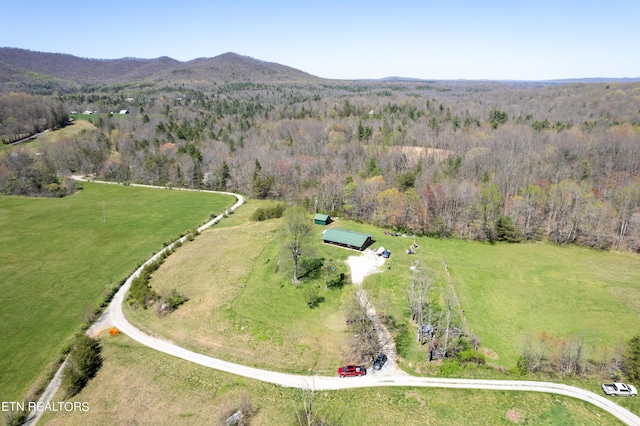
506 230
224 175
632 359
82 365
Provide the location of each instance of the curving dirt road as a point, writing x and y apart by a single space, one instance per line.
114 316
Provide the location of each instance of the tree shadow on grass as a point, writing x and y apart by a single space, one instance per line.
310 267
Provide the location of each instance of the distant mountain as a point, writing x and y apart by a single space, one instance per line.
233 67
400 79
47 72
597 80
559 81
25 66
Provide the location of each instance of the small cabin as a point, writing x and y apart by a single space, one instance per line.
322 219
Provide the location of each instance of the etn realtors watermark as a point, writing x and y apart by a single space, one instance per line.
67 406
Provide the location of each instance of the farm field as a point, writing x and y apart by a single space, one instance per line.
141 386
50 138
60 256
247 312
508 292
240 309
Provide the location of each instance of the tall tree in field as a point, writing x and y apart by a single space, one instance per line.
295 229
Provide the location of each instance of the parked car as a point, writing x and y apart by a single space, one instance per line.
379 362
619 389
352 370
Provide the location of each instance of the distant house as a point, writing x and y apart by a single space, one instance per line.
345 238
123 111
322 219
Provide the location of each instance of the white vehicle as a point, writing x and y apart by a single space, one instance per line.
619 389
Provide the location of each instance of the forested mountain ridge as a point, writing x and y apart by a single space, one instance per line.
21 68
478 160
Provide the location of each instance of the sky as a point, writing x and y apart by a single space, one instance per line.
348 39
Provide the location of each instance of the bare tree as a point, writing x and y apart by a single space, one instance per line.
449 301
535 352
418 297
295 229
306 414
364 342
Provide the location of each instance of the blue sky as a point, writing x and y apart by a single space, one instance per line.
348 39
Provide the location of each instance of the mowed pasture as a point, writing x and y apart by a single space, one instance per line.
243 306
49 139
247 312
243 310
59 257
509 292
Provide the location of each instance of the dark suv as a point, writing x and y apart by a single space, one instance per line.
379 362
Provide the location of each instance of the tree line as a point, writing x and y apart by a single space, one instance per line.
484 161
23 115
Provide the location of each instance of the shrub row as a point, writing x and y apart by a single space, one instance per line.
269 212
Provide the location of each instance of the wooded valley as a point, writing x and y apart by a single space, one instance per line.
506 161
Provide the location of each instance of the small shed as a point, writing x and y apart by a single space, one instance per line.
345 238
322 219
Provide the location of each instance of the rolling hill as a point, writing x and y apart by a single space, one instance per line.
24 67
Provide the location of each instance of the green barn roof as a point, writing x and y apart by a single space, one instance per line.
322 217
345 237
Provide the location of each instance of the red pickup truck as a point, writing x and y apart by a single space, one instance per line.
352 370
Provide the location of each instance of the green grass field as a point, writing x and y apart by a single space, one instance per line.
58 258
248 313
51 138
241 309
507 292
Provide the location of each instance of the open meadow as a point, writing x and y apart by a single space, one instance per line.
511 291
49 139
242 303
251 313
60 257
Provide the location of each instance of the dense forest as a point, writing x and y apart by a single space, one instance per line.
477 160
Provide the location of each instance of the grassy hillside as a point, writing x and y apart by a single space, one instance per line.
507 292
58 258
241 309
510 291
